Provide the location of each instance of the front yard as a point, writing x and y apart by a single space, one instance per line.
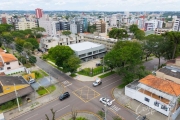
43 91
40 74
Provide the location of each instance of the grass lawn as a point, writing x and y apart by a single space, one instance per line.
28 65
40 74
106 74
92 72
57 67
42 91
51 88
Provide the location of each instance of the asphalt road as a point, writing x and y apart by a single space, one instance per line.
83 97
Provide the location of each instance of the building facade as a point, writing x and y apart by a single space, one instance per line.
176 25
39 13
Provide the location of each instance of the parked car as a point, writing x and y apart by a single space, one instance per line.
106 101
97 82
31 81
64 96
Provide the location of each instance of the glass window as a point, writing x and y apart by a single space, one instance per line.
146 99
156 104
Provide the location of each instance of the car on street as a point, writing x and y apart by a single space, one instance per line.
106 101
97 82
64 96
31 81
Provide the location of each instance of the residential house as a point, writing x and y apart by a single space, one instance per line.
10 84
9 63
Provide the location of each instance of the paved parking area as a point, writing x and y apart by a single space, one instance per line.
90 64
86 94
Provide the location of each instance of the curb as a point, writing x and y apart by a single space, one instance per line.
80 111
33 109
120 103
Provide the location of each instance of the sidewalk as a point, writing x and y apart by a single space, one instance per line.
35 103
87 78
136 106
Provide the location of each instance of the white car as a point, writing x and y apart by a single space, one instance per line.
31 81
106 101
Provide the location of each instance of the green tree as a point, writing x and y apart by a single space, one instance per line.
91 28
27 46
66 32
5 28
174 37
139 34
32 59
101 114
60 54
81 118
18 34
37 30
34 42
118 33
133 28
117 118
22 59
71 64
19 44
8 39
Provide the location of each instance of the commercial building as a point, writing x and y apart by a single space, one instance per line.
152 25
39 13
87 50
108 42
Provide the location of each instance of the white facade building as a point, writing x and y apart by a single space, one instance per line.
176 25
73 28
87 50
23 24
153 24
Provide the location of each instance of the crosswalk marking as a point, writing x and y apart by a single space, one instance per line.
66 83
115 108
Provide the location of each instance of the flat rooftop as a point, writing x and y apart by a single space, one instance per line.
83 46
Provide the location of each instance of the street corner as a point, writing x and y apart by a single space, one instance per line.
86 94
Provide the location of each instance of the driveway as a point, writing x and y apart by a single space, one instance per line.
46 81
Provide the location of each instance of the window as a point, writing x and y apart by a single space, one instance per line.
90 53
146 99
164 107
7 63
8 68
83 55
156 104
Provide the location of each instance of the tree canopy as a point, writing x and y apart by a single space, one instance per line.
34 42
66 32
118 33
60 54
139 34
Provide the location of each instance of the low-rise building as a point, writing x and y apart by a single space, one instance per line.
87 50
159 31
10 84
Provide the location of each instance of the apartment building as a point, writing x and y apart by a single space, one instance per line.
108 42
101 26
152 25
176 25
159 31
51 41
23 24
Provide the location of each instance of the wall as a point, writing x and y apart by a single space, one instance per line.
21 69
175 114
13 65
10 88
140 97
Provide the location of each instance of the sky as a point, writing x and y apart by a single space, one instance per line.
86 5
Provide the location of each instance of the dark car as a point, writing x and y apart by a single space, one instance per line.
64 96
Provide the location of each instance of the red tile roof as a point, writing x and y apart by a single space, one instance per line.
166 86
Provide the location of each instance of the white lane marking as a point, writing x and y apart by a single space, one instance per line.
115 108
110 84
56 104
31 117
108 79
68 85
63 108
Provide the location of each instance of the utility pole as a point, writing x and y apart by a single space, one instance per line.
103 64
17 97
105 111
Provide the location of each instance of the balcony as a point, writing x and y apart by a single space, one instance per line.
166 101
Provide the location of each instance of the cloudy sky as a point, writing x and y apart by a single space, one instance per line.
104 5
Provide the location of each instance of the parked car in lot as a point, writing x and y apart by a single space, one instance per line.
31 81
64 96
97 82
106 101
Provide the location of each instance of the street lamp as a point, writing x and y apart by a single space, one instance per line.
17 97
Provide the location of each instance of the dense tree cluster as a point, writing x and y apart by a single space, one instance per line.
139 34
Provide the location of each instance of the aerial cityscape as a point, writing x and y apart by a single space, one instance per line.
90 60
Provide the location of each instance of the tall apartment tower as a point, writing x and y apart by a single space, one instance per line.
39 13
